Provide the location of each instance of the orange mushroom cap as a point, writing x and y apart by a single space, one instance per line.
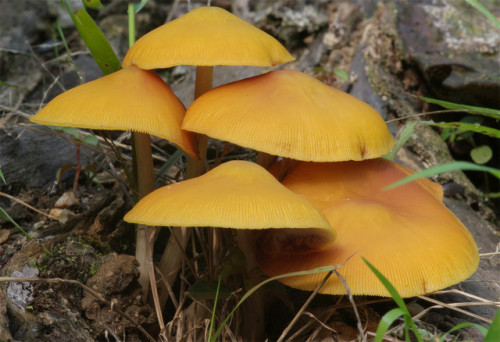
128 99
290 114
206 36
406 232
236 194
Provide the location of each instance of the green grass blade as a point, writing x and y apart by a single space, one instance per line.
92 4
139 6
213 310
405 134
435 170
492 113
409 324
95 40
6 216
480 7
2 177
493 334
464 127
390 288
256 287
481 329
6 84
68 52
385 323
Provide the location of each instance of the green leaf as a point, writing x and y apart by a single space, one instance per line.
481 154
341 74
1 176
90 140
464 127
6 84
481 329
62 170
435 170
68 130
139 6
492 113
385 323
92 4
404 135
477 5
493 334
95 40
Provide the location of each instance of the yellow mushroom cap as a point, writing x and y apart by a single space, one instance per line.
290 114
406 232
236 194
206 36
128 99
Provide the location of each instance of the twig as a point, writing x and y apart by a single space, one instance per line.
303 308
454 307
25 204
85 288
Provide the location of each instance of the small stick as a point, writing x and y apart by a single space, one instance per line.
303 308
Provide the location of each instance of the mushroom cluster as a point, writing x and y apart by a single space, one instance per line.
330 200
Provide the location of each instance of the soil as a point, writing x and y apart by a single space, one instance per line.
78 251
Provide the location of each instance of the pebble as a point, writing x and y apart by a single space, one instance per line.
4 235
66 200
61 215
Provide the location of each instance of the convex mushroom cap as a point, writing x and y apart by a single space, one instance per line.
290 114
406 232
206 36
128 99
236 194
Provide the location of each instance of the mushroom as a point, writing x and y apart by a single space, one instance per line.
205 37
406 232
237 194
290 114
130 99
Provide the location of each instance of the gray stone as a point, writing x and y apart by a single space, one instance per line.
22 293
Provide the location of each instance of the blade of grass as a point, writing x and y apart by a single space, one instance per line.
95 40
493 334
481 329
385 323
409 324
464 127
480 7
256 287
139 6
405 134
492 113
212 319
1 176
435 170
68 52
6 216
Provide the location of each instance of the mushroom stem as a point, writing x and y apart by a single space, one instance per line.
143 164
203 84
172 255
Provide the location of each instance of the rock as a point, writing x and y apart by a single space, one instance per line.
115 275
33 158
22 293
455 47
66 200
61 215
4 235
